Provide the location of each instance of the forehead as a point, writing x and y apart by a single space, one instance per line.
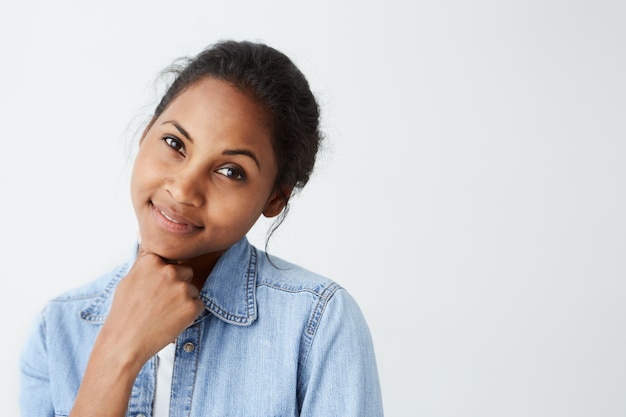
213 110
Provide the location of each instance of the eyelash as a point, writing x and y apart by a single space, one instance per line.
236 174
171 140
230 172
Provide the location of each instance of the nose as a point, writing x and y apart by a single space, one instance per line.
186 187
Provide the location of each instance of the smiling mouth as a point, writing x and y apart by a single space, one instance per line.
168 217
172 222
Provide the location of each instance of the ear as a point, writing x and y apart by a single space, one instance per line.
277 201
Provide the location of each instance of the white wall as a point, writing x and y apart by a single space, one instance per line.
470 194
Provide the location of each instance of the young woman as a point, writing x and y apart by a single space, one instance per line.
199 322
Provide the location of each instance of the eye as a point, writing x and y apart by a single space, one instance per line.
233 173
175 143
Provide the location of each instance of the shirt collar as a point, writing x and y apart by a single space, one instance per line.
230 290
228 293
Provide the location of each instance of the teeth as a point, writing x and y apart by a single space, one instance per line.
169 218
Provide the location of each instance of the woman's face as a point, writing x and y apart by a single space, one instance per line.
204 173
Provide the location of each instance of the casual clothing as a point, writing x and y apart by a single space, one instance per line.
164 375
273 341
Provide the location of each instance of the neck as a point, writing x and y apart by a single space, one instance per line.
202 267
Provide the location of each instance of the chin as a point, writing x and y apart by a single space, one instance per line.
175 253
169 252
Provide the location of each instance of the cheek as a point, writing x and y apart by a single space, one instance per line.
140 179
243 211
146 169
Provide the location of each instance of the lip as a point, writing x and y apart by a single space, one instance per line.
171 221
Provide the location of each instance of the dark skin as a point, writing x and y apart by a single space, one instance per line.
201 267
205 172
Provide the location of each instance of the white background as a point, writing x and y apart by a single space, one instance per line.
470 193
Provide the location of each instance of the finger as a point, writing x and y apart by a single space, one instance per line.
193 292
200 307
184 273
143 251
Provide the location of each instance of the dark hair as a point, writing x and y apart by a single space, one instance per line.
271 78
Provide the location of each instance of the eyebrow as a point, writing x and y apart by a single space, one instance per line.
245 152
180 129
228 152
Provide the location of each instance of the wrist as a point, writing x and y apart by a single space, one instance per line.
118 354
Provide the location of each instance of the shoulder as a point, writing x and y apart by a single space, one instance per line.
323 298
99 287
286 276
287 288
89 302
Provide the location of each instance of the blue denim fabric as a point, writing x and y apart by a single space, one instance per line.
271 342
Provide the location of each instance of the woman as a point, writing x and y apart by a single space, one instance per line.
199 322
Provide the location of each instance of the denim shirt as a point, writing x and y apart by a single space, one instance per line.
272 341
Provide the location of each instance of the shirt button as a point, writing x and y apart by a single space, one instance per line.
189 347
141 415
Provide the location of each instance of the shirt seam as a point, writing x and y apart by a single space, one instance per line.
298 290
92 314
316 317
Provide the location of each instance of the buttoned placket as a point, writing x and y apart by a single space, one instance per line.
183 377
142 394
240 311
185 370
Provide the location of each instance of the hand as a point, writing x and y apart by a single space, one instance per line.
152 305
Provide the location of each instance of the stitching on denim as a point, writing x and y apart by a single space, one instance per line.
88 314
195 369
251 287
196 331
250 298
291 290
221 313
318 311
142 395
316 317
